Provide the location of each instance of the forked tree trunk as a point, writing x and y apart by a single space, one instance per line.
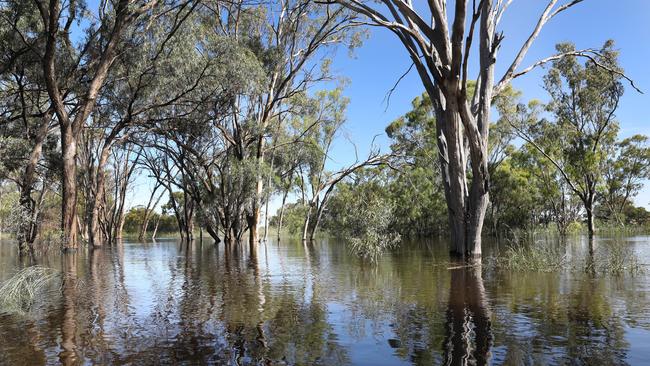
466 206
148 211
439 45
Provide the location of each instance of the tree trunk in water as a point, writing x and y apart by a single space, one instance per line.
213 233
29 228
281 217
590 221
252 240
305 227
120 226
452 164
319 216
478 203
252 221
465 207
266 219
148 211
69 194
254 217
155 228
94 233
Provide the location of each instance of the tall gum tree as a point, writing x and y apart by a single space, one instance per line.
74 87
584 100
440 46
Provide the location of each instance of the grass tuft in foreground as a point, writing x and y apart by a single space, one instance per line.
17 294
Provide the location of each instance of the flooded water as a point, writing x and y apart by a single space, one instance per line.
166 303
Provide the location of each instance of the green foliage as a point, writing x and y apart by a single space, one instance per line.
361 213
135 217
294 218
415 189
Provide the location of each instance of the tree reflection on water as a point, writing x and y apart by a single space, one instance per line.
468 336
315 304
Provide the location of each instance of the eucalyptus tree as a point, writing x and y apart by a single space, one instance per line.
76 63
628 164
140 84
293 40
200 136
322 122
551 197
26 115
441 47
584 100
26 125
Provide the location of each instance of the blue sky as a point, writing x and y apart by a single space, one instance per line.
381 60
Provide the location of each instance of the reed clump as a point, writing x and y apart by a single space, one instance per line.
537 258
616 259
613 258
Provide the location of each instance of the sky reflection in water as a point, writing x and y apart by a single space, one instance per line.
165 303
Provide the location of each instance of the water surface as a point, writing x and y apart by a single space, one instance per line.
295 304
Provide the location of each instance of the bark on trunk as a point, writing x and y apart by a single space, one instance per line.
254 217
305 227
95 236
319 216
213 233
69 193
590 221
155 228
465 208
29 228
252 239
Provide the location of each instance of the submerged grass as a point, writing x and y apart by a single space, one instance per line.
542 258
17 294
614 258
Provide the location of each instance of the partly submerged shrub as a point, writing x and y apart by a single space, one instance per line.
372 245
371 236
17 294
367 228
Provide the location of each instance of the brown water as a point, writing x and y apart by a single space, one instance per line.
165 303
